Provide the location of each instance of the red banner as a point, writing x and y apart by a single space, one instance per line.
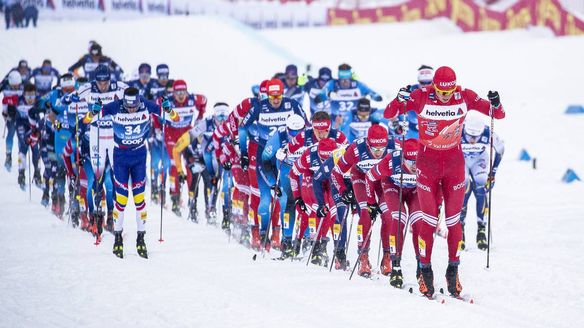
468 15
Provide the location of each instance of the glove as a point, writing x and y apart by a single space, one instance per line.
277 190
96 107
244 162
373 210
48 105
322 211
214 181
490 182
227 165
404 94
347 196
33 138
494 99
302 80
281 154
57 125
300 203
165 104
74 97
181 178
397 127
376 97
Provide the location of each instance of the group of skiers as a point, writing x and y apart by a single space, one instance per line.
286 178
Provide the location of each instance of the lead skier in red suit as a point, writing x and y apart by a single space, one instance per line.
190 108
441 110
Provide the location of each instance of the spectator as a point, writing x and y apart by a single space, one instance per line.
31 13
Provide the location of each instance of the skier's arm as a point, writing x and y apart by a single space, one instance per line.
474 102
365 90
183 142
322 174
299 168
342 166
397 107
73 69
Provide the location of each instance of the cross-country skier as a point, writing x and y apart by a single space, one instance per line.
94 58
28 133
315 87
440 163
11 95
475 146
45 77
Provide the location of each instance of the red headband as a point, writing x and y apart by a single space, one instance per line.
321 125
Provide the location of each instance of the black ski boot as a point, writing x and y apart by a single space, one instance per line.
341 262
319 255
482 243
45 199
21 180
426 281
225 224
193 215
154 191
140 245
396 278
8 162
118 244
99 222
175 204
307 245
109 224
454 286
36 178
296 244
286 248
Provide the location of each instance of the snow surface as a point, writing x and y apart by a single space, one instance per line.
53 276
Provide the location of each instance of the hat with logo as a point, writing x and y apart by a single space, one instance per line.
131 97
291 70
411 149
326 147
377 136
275 87
445 79
179 85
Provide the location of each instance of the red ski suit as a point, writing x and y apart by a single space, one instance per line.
440 162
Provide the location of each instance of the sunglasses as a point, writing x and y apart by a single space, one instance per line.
181 92
377 149
30 97
444 92
272 97
409 162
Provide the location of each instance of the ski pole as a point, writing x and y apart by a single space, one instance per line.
96 187
364 243
272 205
490 189
29 155
401 188
350 207
163 182
347 209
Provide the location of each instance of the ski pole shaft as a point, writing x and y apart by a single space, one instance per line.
315 240
401 182
163 183
29 155
490 189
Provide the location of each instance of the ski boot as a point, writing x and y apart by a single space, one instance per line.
109 225
341 262
225 224
364 265
319 255
175 204
60 210
244 238
296 245
396 278
275 240
45 198
36 178
307 245
8 162
140 245
286 248
255 238
385 264
454 286
211 215
118 245
21 179
193 215
84 221
482 243
54 203
426 281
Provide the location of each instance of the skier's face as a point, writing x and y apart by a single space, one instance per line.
443 96
410 165
144 77
103 86
180 95
291 80
472 139
163 79
363 116
345 83
377 152
30 97
321 134
275 100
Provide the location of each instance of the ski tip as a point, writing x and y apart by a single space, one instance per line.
411 290
442 301
254 257
441 290
471 301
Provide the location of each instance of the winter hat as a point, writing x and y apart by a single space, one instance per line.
326 147
179 85
411 149
144 68
275 87
291 70
364 105
425 74
325 73
377 136
445 79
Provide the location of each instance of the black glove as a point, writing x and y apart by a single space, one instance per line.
300 203
214 181
244 162
347 196
181 178
322 211
277 190
373 210
404 94
494 99
227 165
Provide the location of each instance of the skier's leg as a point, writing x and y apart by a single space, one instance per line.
358 180
138 175
453 187
121 179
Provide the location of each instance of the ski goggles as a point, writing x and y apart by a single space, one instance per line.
30 98
221 118
345 74
444 92
273 97
377 149
180 92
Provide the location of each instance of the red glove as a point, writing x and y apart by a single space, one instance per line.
10 100
33 138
